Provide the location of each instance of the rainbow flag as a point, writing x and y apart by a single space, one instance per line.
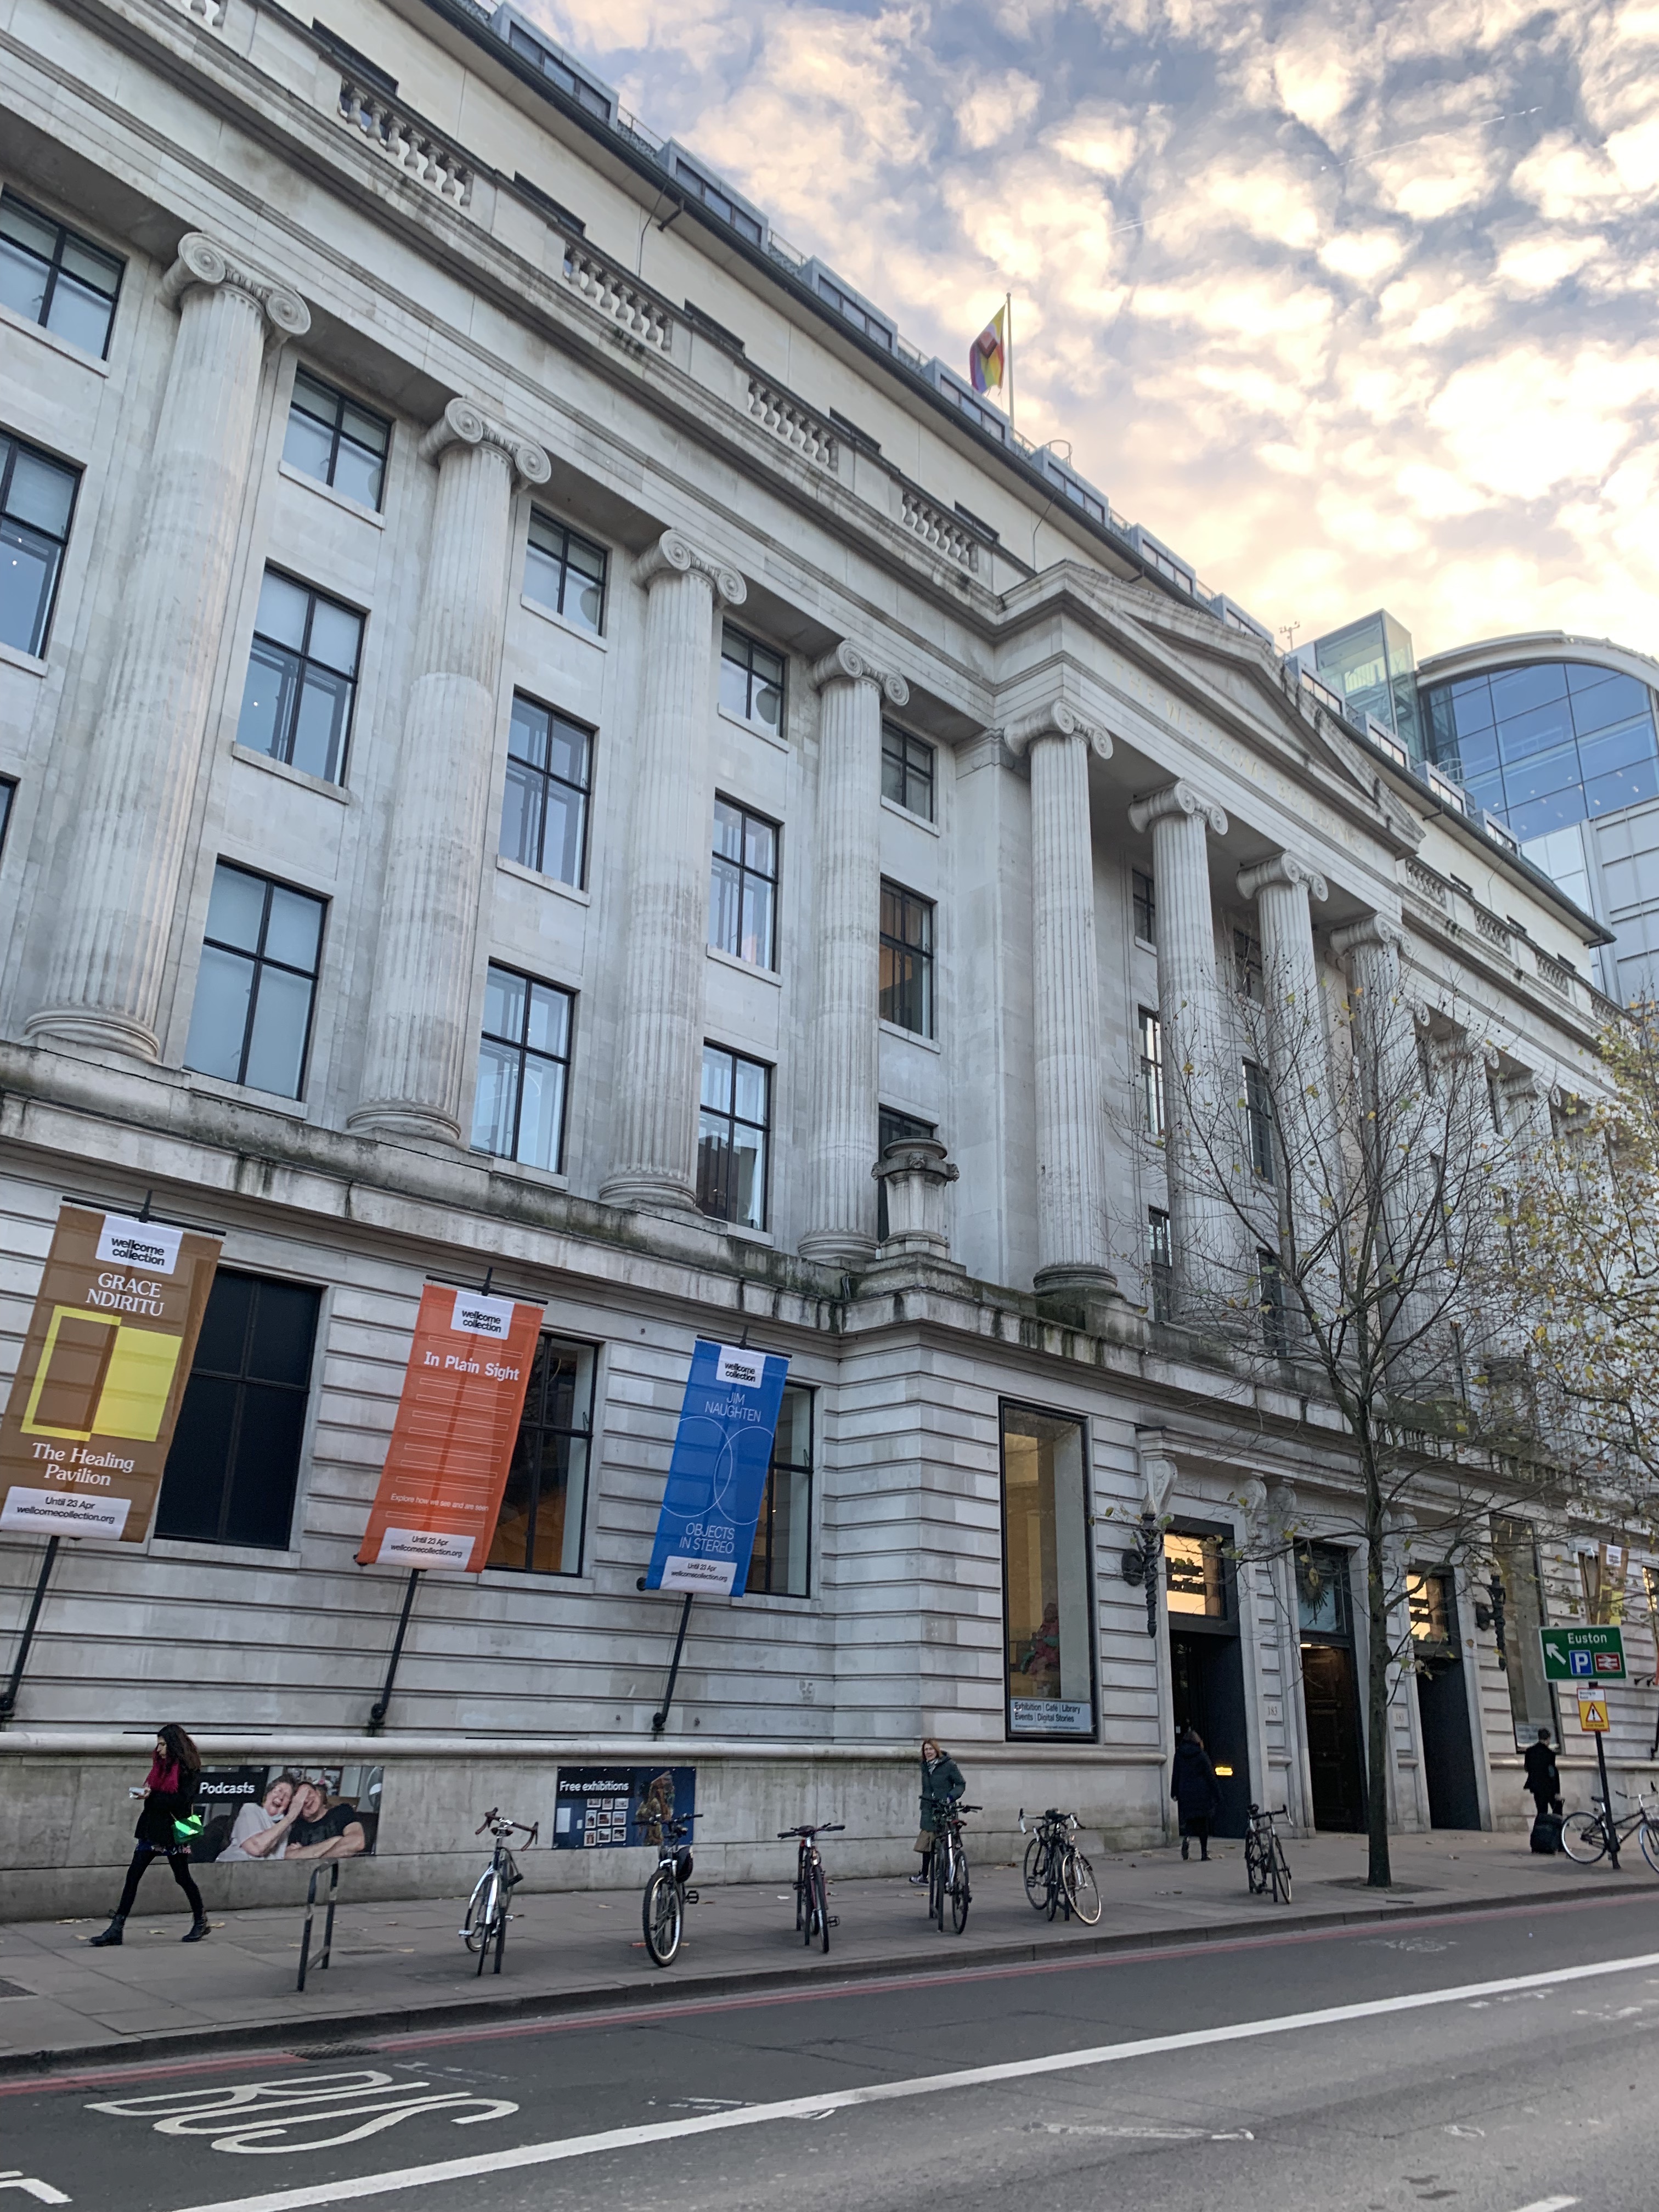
989 356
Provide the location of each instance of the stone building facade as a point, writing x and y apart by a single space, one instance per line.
538 734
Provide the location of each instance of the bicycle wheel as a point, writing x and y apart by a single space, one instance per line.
1280 1872
807 1910
961 1896
938 1884
1650 1835
1584 1837
821 1906
1081 1888
483 1906
1257 1866
663 1917
1037 1872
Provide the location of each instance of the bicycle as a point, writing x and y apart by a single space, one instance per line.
948 1872
487 1915
812 1913
667 1895
1058 1877
1588 1837
1264 1856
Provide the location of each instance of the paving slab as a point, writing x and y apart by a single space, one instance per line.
398 1965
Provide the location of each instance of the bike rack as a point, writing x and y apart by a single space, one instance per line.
328 1924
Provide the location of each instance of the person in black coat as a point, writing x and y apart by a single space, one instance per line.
1196 1790
168 1792
1543 1777
941 1786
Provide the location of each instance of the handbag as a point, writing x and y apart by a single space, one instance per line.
187 1830
924 1839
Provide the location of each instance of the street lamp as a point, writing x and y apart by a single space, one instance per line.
1140 1565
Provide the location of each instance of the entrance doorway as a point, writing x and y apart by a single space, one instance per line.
1206 1670
1443 1705
1330 1688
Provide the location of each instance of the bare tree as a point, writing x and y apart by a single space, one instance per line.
1338 1167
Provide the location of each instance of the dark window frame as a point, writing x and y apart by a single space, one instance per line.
541 519
10 446
1160 1261
67 237
897 747
743 872
549 1339
766 1522
1154 1105
8 806
1090 1591
526 1051
894 945
1143 906
735 1121
1259 1123
548 776
304 657
1249 978
260 960
745 660
337 432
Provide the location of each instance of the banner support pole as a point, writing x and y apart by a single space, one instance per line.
8 1696
659 1719
377 1712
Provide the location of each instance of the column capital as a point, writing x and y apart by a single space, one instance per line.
675 556
1177 798
1058 719
461 424
1282 868
847 663
1373 929
202 261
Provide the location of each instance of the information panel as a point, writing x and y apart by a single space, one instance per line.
717 1477
608 1807
1583 1654
452 1444
89 1422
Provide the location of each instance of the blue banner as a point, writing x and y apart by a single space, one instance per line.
615 1808
717 1477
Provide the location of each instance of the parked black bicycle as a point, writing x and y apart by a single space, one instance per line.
1264 1856
1058 1877
486 1916
813 1918
666 1894
947 1873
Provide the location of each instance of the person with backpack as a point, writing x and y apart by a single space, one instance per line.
1196 1790
168 1792
1543 1784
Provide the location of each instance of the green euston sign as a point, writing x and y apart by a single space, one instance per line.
1584 1655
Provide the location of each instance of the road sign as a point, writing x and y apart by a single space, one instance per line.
1583 1654
1593 1715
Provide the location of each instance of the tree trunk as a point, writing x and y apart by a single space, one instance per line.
1377 1702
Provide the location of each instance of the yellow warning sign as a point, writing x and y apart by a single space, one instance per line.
1593 1716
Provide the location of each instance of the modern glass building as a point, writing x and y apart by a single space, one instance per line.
1369 665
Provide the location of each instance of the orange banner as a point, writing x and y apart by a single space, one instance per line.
451 1443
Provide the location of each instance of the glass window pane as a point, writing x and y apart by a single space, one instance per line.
734 689
714 1166
336 635
294 927
521 816
540 1114
315 397
767 709
1517 690
1608 794
282 1015
236 911
757 938
218 1021
717 1079
584 605
569 747
191 1504
22 279
892 776
41 493
80 315
561 845
268 700
1538 730
496 1103
550 1020
504 1005
363 430
359 472
526 736
510 1547
99 272
282 613
1613 699
728 829
28 569
750 1099
222 1343
724 907
259 1492
308 444
320 726
1049 1670
760 845
542 577
748 1196
284 1326
1471 706
31 231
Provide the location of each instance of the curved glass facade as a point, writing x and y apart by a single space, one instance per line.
1546 743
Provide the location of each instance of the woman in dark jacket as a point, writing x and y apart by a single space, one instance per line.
1196 1790
168 1792
941 1786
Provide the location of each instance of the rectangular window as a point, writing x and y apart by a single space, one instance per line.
1247 965
907 771
1324 1596
743 886
1259 1122
51 277
1514 1551
545 806
234 1463
539 1530
1047 1640
780 1564
1270 1291
751 681
8 795
565 572
1145 906
907 960
1432 1610
37 497
1160 1263
524 1070
1152 1072
891 1128
334 440
302 678
1195 1575
258 982
733 1136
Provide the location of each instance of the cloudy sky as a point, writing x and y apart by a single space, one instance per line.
1353 305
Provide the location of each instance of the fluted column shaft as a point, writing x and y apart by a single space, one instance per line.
1199 1139
1390 1079
111 922
841 1201
420 1046
1298 1056
1074 1246
659 1031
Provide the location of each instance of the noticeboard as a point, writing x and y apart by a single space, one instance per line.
609 1807
1583 1654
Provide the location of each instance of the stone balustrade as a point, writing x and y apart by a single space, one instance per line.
409 145
795 425
939 530
603 286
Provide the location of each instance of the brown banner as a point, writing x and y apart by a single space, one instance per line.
87 1425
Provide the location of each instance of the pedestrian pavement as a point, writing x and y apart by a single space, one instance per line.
400 1966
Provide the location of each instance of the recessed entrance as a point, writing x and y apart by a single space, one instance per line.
1206 1671
1442 1703
1330 1688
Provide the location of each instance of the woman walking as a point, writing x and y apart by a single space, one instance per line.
1196 1790
168 1790
941 1786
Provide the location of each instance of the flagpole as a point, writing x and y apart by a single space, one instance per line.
1008 325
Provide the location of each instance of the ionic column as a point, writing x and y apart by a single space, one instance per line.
420 1047
1388 1078
1074 1250
110 919
659 1033
841 1203
1298 1060
1199 1143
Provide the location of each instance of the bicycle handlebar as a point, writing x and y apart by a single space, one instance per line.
493 1815
831 1828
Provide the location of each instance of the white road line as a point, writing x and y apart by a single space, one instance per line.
881 2093
1550 2204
